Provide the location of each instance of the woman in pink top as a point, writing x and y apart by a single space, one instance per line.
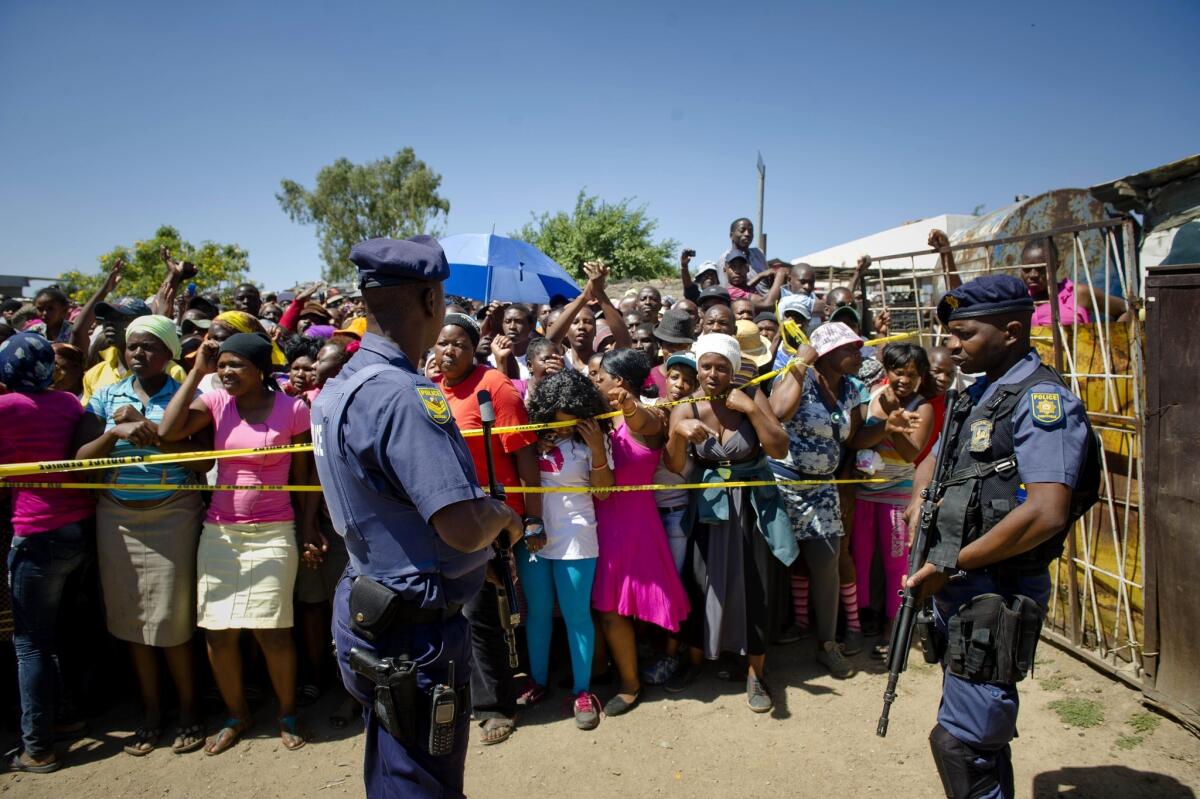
247 558
52 534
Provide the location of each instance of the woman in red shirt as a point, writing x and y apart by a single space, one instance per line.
515 461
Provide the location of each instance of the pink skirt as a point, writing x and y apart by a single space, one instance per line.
635 572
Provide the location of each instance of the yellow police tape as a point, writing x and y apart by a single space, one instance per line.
508 489
42 467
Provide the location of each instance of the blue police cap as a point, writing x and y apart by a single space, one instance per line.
987 295
389 262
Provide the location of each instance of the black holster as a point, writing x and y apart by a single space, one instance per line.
396 692
933 644
989 640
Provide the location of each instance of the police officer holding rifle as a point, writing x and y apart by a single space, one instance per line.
401 489
1021 465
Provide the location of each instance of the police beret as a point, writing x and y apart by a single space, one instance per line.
987 295
387 262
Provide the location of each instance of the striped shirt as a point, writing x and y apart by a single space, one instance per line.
104 404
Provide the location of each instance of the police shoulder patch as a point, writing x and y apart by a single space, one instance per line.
1046 407
434 402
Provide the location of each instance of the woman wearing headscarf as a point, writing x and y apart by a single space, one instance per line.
51 534
230 323
247 558
740 535
635 574
146 540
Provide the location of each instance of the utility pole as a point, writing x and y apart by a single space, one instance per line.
762 184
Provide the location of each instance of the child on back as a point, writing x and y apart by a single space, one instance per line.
563 564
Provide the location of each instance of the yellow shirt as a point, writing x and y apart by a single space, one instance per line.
110 370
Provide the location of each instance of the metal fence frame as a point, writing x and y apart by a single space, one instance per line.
1109 637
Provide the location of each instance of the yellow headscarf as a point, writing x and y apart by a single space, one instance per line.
243 322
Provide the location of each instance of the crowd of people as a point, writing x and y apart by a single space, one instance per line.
753 375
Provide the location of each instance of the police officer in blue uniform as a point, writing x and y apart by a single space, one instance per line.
401 489
1022 465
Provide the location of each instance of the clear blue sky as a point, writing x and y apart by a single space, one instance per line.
116 117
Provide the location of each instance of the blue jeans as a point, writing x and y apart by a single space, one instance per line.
39 566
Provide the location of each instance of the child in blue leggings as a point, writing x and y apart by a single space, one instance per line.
563 564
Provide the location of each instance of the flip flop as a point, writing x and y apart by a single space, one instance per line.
144 741
188 739
235 729
18 763
496 731
289 725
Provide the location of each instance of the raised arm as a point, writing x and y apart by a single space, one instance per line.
612 315
184 416
685 274
939 241
82 327
164 301
767 301
558 330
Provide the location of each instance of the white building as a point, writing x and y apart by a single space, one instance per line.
908 237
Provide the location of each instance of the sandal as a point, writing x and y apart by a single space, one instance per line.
189 738
307 694
143 741
229 734
19 763
290 733
496 731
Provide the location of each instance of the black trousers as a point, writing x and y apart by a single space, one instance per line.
492 690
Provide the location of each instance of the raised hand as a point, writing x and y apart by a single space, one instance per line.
686 257
938 239
206 357
114 277
502 348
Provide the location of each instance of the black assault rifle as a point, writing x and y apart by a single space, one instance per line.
506 591
902 627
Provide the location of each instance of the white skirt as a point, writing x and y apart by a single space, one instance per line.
245 576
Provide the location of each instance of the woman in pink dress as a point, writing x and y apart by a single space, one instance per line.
635 573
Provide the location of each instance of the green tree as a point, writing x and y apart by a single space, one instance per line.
394 197
219 267
618 233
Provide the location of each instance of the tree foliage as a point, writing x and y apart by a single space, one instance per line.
219 267
619 233
394 197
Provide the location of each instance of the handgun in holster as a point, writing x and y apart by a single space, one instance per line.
395 696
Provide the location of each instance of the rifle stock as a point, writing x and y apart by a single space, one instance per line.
506 592
902 627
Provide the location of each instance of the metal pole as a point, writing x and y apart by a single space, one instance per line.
1056 337
762 185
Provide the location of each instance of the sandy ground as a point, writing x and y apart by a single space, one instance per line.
819 741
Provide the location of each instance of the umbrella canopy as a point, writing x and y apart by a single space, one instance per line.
488 267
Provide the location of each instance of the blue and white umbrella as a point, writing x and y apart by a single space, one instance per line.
488 267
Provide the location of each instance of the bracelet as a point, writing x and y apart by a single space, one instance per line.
627 415
596 468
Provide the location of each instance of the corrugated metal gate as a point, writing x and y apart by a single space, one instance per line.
1096 609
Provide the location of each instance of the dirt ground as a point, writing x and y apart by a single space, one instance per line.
819 741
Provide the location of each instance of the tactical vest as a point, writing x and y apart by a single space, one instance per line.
982 482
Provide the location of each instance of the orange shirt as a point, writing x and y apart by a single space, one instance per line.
510 410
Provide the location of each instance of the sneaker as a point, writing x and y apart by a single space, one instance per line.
661 671
682 678
852 642
531 694
830 656
757 696
792 634
587 711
